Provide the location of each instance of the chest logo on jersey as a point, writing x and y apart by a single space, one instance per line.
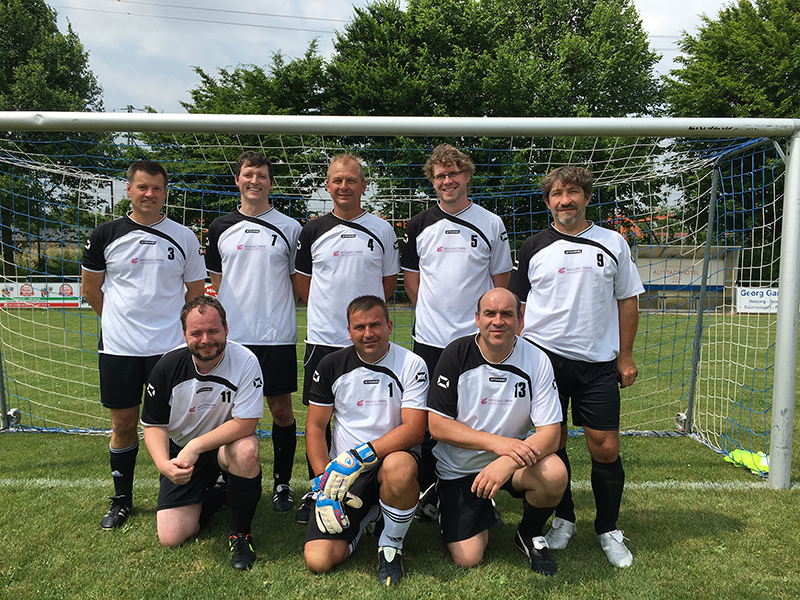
251 247
371 402
204 389
573 270
497 401
346 253
573 251
148 242
452 231
348 235
146 261
498 379
201 407
252 231
371 381
456 249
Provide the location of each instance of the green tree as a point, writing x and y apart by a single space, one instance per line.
744 63
40 69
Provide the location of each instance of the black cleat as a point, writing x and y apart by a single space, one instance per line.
538 553
282 498
243 554
428 507
304 512
121 508
390 569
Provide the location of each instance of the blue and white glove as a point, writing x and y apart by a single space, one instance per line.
343 470
330 513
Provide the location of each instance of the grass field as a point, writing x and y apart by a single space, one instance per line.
698 527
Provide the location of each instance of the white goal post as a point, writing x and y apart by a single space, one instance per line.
650 171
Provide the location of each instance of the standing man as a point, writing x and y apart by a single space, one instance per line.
133 274
375 390
581 289
341 255
452 253
200 415
250 257
489 388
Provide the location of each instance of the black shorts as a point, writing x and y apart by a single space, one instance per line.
314 354
365 487
430 354
122 378
204 477
462 513
279 368
593 388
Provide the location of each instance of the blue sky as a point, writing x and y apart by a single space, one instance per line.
142 51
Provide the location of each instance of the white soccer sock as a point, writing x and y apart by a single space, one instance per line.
395 525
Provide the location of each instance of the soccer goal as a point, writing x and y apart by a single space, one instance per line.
710 208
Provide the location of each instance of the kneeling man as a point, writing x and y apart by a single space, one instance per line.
200 414
487 390
375 390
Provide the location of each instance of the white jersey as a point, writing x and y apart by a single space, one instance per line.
145 269
456 257
189 404
570 285
345 260
500 398
256 256
368 398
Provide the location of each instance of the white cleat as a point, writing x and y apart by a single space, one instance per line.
561 532
614 546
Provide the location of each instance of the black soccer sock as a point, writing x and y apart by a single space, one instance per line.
284 442
328 439
566 507
608 480
533 519
427 466
243 497
123 463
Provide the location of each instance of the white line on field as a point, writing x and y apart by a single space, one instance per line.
301 485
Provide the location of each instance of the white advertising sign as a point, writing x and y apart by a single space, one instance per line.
756 300
64 294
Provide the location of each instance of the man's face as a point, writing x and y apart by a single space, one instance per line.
497 320
451 184
567 203
370 332
254 184
147 193
205 335
345 184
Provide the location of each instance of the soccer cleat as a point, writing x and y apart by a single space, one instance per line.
537 552
390 569
306 508
242 547
119 512
428 507
282 498
561 532
616 551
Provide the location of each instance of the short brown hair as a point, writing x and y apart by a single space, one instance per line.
200 303
447 155
250 158
150 167
365 304
568 175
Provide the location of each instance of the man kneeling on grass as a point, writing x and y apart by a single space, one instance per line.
201 410
486 391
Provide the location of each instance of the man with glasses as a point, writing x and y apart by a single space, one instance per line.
452 254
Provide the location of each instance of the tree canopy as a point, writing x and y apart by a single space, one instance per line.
744 63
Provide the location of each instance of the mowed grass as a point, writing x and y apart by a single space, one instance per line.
698 528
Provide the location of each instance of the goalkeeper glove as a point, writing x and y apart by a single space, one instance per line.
343 470
330 514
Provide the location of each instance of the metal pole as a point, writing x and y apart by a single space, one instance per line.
780 465
5 422
698 331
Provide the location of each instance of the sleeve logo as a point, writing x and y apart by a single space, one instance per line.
151 391
443 382
315 377
257 383
421 377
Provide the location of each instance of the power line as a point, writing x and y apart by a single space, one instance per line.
212 22
227 11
